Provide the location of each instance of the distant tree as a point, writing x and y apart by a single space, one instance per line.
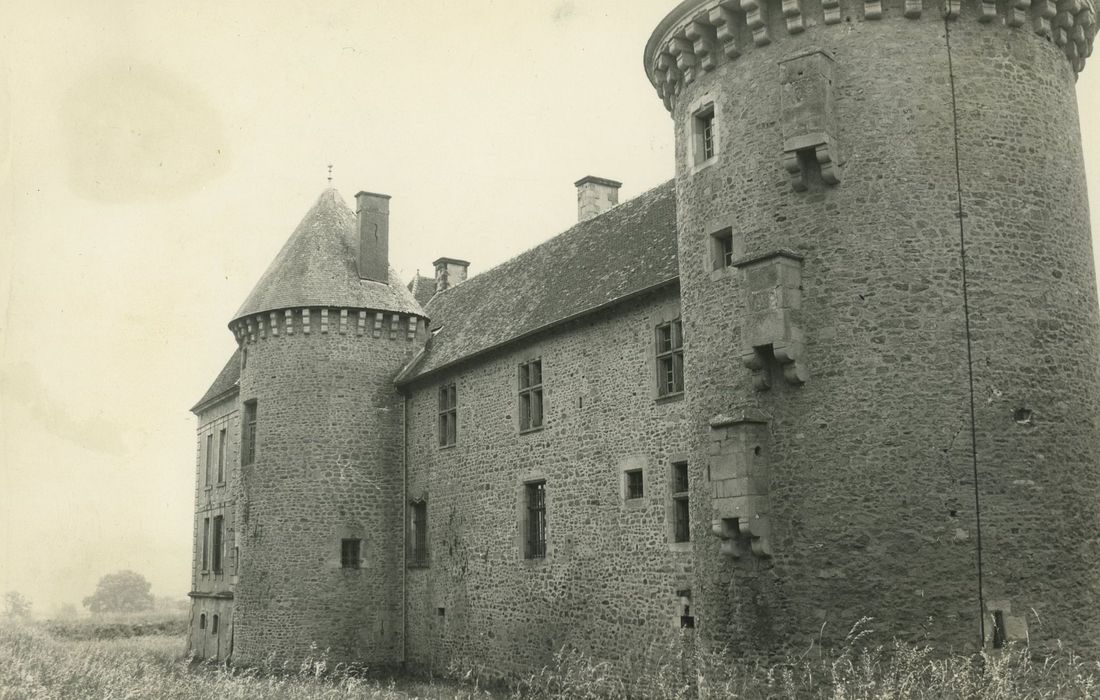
16 607
124 591
66 611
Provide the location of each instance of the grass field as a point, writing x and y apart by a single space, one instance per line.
138 661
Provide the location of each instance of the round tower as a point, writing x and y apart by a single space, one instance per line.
890 318
323 335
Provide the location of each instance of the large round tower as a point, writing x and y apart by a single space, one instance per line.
890 317
323 334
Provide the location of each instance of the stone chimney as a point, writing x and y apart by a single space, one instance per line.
449 272
595 195
373 211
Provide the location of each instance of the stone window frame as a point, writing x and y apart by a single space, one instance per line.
419 550
635 463
526 360
671 500
217 544
712 229
522 524
205 546
249 428
448 415
703 109
208 461
223 453
669 350
662 313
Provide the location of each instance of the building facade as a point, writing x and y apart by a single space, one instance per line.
843 365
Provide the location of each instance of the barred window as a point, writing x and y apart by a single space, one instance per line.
418 533
670 358
448 415
681 517
349 553
248 443
635 486
530 395
535 497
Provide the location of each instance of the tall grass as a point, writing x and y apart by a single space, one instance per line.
34 664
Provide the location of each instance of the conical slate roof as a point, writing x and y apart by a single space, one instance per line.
318 266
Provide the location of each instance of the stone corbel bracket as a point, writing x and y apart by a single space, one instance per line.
808 117
739 475
772 327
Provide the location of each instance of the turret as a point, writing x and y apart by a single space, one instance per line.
890 308
320 504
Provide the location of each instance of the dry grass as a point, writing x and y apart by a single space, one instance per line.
34 664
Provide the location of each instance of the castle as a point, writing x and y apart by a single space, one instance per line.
845 364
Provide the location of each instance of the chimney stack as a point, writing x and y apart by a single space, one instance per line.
373 211
595 195
449 272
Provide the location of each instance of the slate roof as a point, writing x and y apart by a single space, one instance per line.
422 288
318 266
626 250
227 379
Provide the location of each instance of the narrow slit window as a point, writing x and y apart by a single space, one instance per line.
670 358
448 415
349 553
535 497
221 455
531 406
214 625
202 621
681 517
248 444
418 533
635 485
217 542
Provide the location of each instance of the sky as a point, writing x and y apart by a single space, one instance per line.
154 157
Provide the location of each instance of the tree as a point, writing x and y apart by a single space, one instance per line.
16 607
124 591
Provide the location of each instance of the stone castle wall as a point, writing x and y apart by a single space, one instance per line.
610 581
328 467
854 351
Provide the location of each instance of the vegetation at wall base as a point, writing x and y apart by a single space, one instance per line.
35 663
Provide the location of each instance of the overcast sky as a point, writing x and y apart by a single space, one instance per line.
155 157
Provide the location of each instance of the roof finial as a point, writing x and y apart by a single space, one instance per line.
330 174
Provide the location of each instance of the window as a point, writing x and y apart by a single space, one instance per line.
704 134
681 519
202 621
635 487
214 625
418 533
221 456
248 443
205 539
721 249
530 395
535 498
670 358
216 544
349 554
448 415
209 456
236 561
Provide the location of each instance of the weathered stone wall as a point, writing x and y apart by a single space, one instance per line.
211 591
871 469
609 582
328 466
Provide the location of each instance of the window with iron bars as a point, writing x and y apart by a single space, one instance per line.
530 395
670 358
681 518
448 415
635 486
535 497
418 533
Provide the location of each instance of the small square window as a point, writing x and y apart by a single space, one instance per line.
349 554
635 486
704 134
721 249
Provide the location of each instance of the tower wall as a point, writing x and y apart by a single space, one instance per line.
327 467
861 499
